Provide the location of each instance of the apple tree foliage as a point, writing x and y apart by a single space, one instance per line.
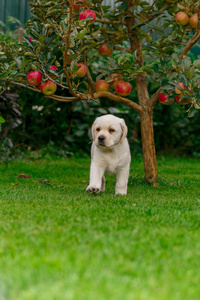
149 48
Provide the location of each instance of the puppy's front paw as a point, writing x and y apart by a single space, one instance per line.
92 190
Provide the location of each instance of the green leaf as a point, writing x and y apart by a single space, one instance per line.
79 133
167 87
191 113
129 57
50 62
82 34
110 44
2 120
143 3
146 69
186 63
24 64
28 42
196 63
175 84
99 77
183 79
120 59
124 6
175 57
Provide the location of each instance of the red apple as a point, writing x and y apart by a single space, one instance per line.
123 88
53 68
163 99
194 21
77 5
177 91
180 93
48 87
181 18
87 13
104 50
182 101
34 78
116 78
82 70
101 86
31 38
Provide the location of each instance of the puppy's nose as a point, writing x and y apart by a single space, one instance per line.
101 138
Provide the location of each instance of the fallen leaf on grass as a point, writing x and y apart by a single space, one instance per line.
44 180
24 176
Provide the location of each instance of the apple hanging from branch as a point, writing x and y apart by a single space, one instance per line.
116 78
194 21
101 86
48 87
105 50
88 13
181 18
34 78
163 99
81 71
123 88
180 93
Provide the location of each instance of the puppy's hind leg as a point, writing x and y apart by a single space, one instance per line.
103 184
122 181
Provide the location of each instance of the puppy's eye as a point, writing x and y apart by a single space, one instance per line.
98 129
111 130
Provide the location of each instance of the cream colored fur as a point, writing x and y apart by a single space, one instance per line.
110 153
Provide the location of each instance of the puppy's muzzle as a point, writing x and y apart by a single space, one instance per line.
101 140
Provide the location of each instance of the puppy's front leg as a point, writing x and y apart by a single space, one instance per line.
122 181
96 175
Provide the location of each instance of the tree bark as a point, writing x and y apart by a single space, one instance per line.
148 147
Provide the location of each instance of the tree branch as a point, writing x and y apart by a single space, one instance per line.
50 78
89 77
25 86
119 99
154 99
67 36
55 97
190 44
147 20
62 99
110 22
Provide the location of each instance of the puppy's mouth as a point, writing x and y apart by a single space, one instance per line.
102 145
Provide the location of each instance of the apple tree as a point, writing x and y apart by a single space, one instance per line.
90 52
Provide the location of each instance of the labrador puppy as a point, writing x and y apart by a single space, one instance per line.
110 153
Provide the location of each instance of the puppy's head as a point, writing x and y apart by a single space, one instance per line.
108 131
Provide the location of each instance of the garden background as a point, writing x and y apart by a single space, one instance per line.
35 123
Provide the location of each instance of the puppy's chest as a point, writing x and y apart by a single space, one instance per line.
112 164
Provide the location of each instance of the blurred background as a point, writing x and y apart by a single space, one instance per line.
37 126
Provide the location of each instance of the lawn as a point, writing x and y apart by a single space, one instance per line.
59 243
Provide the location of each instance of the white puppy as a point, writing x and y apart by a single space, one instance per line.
110 153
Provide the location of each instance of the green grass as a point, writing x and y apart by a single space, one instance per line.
59 243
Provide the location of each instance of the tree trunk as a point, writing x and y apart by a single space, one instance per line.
148 147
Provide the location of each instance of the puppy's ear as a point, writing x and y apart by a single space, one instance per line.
124 130
93 130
